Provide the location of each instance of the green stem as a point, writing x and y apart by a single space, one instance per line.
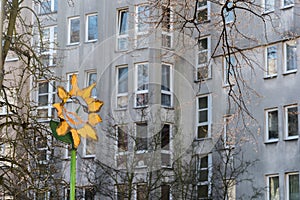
73 174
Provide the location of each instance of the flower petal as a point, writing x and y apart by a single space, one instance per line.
59 108
76 138
62 128
62 94
88 131
95 105
94 119
86 92
74 84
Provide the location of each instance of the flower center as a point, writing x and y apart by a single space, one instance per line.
76 112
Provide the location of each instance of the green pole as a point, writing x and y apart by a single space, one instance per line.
73 174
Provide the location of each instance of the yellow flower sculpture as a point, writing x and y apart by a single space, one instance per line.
79 116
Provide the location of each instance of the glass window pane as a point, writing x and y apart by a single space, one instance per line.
166 100
229 15
122 101
90 148
204 162
269 5
92 78
202 191
143 16
274 187
165 137
203 116
291 57
202 3
141 134
74 30
143 77
123 80
165 77
43 88
92 27
123 22
142 99
288 2
122 139
165 192
202 131
273 124
202 103
292 121
271 60
294 187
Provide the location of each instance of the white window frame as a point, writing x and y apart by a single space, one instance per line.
141 92
166 92
203 8
46 149
267 111
288 5
265 6
227 21
50 94
229 139
87 78
136 138
51 51
87 28
287 177
268 73
124 94
209 121
69 30
170 150
291 42
207 64
46 195
286 122
268 177
52 7
225 69
141 41
209 175
167 34
122 37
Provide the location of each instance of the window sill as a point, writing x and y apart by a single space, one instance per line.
73 44
294 71
287 7
121 109
91 41
89 156
202 139
291 138
270 76
168 107
203 22
121 50
48 13
140 107
266 12
202 80
272 141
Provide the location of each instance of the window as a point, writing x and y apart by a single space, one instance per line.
229 65
268 5
290 52
122 138
271 61
203 56
48 50
165 192
292 183
122 87
142 25
42 147
203 11
229 133
86 193
42 196
287 3
142 190
48 6
74 30
271 124
166 145
45 97
204 173
91 28
166 28
142 17
122 32
122 192
203 117
92 78
291 121
142 81
166 85
228 12
141 137
273 187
